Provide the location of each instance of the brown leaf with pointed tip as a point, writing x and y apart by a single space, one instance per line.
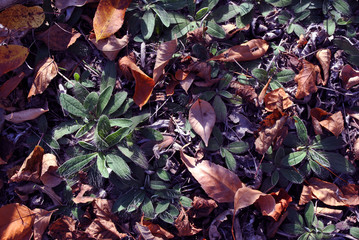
103 229
164 55
201 207
10 85
210 176
349 76
42 220
170 87
307 79
184 226
332 122
157 230
324 57
282 200
46 71
251 50
109 17
62 4
12 57
202 119
16 222
49 176
144 84
20 17
263 92
277 99
110 46
25 115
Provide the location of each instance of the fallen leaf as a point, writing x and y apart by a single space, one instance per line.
163 56
157 230
251 50
306 79
349 76
59 37
302 41
170 87
109 17
10 85
272 226
102 208
282 200
25 115
336 213
184 226
12 57
356 149
46 71
246 92
201 69
80 198
16 222
329 193
324 57
198 36
263 92
210 176
110 46
42 220
230 29
20 17
277 99
187 82
64 228
62 4
103 229
29 188
332 122
49 175
213 232
201 207
145 233
144 84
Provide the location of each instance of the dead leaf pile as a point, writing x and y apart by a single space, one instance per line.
307 79
332 122
277 99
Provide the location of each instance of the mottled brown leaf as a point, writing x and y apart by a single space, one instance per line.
164 55
157 230
332 122
10 85
349 76
103 229
42 220
63 228
20 17
201 207
80 198
277 99
246 92
307 79
184 226
324 58
12 57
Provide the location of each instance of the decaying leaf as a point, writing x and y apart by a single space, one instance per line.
157 230
246 92
49 176
277 99
302 41
109 17
102 208
24 190
282 200
336 213
110 46
25 115
164 55
64 228
103 229
201 207
251 50
184 226
46 71
231 29
80 198
210 176
198 36
349 76
329 193
200 69
59 37
62 4
332 122
20 17
10 85
16 222
324 57
42 220
144 84
202 119
12 57
307 79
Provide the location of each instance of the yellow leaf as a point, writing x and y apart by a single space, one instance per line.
19 17
12 57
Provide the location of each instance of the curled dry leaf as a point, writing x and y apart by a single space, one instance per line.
109 17
103 229
263 92
62 4
231 29
201 207
25 115
324 57
246 92
277 99
46 71
144 84
157 230
80 198
349 76
16 221
251 50
20 17
12 57
49 176
198 36
201 69
184 226
24 190
329 193
210 176
307 79
10 85
164 55
202 119
102 208
110 46
282 200
42 220
302 41
332 122
65 228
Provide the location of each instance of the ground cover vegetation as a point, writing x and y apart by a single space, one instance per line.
170 119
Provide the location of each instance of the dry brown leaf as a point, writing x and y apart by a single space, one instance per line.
263 92
202 119
49 176
42 220
198 36
277 99
164 55
20 17
201 207
10 85
230 29
201 69
246 92
329 193
251 50
109 17
282 200
110 46
103 229
302 41
46 71
62 4
144 84
12 57
332 122
272 226
170 87
102 208
184 226
64 228
25 115
187 82
80 198
210 176
356 149
16 222
157 230
24 190
336 213
145 233
307 79
59 37
349 76
324 57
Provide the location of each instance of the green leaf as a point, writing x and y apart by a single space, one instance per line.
342 6
301 130
185 201
162 14
329 143
207 95
338 163
329 26
230 160
245 8
103 126
294 158
301 6
120 122
65 128
147 208
119 166
354 231
115 102
91 101
220 109
117 136
274 178
319 158
316 168
72 105
238 147
285 75
176 18
147 24
201 13
84 129
136 202
225 94
158 185
302 16
225 12
163 175
101 166
215 30
260 74
80 91
139 119
75 164
293 228
331 228
103 100
173 210
182 29
108 76
172 4
279 3
124 201
309 213
210 4
162 206
292 175
166 217
135 154
279 155
87 146
152 134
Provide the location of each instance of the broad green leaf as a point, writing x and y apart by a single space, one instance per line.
230 160
172 4
210 4
285 75
166 217
101 166
182 29
302 16
163 175
176 18
301 130
306 236
173 210
158 185
279 3
65 128
103 100
309 213
117 136
119 166
338 163
123 201
260 74
329 143
319 158
292 140
84 129
342 6
354 231
298 29
245 8
301 6
274 178
80 92
120 122
225 94
275 85
238 147
162 206
72 105
75 164
147 24
279 155
134 153
147 208
87 146
316 168
108 76
225 12
152 134
330 228
103 126
292 175
49 140
329 26
91 101
186 202
136 201
293 228
215 30
115 103
220 109
162 14
283 17
294 158
139 119
207 95
201 13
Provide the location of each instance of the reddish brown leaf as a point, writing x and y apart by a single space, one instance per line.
164 55
282 200
231 29
251 50
10 85
109 17
202 119
263 92
12 57
201 207
110 46
103 229
210 176
332 122
349 76
198 36
184 226
42 220
157 230
102 208
201 69
307 79
187 82
324 57
277 99
19 17
25 115
64 228
246 92
49 176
